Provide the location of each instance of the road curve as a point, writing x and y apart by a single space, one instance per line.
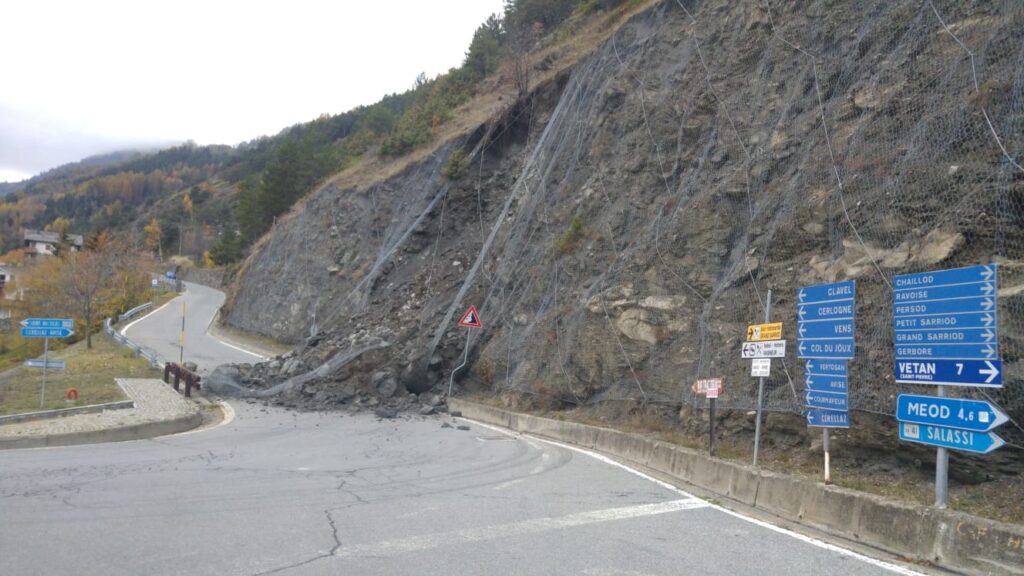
301 493
160 331
279 492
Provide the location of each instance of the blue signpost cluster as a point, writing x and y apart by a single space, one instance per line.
825 327
946 332
46 328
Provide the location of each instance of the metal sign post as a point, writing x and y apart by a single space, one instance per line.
760 387
46 328
711 388
469 321
181 340
46 357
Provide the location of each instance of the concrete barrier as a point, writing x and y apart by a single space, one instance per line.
61 412
951 540
120 434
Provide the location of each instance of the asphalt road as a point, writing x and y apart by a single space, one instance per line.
280 492
160 331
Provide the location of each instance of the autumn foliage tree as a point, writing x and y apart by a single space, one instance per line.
85 284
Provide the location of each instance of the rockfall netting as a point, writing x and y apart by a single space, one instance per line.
711 151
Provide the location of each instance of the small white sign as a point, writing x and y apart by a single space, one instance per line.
760 367
154 282
766 349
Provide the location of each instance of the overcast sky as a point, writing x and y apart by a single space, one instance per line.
83 77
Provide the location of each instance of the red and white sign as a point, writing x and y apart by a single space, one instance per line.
471 319
710 387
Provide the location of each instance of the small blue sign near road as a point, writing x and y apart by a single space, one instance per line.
827 400
48 323
828 419
825 322
977 442
45 363
987 373
974 415
825 383
946 321
46 332
827 368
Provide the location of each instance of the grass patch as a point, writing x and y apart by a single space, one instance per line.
91 372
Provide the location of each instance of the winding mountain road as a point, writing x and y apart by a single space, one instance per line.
160 331
279 492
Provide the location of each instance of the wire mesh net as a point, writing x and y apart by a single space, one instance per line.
781 145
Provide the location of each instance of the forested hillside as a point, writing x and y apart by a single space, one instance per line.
211 203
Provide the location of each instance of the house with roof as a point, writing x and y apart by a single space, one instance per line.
45 243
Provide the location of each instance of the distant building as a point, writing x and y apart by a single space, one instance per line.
43 243
6 275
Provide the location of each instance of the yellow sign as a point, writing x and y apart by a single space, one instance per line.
761 332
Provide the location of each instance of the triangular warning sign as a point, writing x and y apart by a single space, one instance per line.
471 319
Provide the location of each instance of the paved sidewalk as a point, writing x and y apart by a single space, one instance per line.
158 410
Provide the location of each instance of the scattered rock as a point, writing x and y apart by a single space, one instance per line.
456 414
462 427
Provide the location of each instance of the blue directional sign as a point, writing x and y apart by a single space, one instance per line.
945 335
828 419
46 332
987 373
825 383
974 415
941 307
825 320
946 320
48 323
831 329
977 442
826 349
983 351
959 320
45 363
827 367
825 311
835 292
827 400
951 292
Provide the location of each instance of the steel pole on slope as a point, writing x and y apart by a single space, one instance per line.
46 360
941 466
760 387
824 442
181 340
465 360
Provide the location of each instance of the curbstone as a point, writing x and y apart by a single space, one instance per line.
952 540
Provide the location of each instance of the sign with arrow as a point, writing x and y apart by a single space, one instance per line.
45 363
973 415
825 383
945 327
828 419
46 332
471 319
976 442
825 324
827 368
48 323
827 400
768 349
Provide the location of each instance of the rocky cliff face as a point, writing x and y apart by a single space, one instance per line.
620 228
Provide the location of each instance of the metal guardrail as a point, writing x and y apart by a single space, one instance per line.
152 357
129 314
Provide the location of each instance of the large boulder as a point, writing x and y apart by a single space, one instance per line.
226 380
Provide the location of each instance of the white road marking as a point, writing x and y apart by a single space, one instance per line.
260 356
807 539
144 316
526 527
